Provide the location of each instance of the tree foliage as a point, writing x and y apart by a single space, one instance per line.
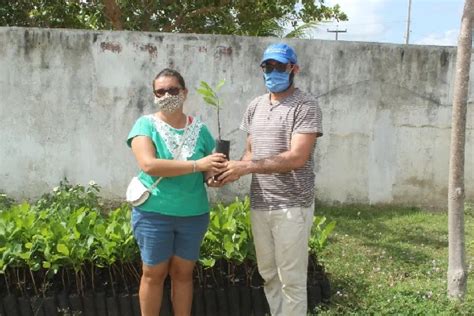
240 17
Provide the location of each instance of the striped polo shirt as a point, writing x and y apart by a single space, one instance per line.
271 126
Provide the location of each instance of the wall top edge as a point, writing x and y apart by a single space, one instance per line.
196 36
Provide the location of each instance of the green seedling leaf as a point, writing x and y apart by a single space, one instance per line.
205 85
62 249
210 101
220 84
205 92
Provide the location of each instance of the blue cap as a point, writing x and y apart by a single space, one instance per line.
280 52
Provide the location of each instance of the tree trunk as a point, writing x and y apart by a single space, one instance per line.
457 273
113 13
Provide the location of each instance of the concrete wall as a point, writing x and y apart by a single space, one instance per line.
68 99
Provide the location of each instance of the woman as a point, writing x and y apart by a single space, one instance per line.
169 226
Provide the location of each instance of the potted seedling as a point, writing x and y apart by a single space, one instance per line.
211 98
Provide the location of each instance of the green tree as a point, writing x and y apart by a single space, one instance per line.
52 13
240 17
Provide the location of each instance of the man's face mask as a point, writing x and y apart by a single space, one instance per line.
276 77
169 102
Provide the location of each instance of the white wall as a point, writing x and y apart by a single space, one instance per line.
69 97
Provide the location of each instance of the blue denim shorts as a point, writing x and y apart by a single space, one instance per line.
160 237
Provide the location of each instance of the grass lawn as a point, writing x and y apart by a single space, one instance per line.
392 261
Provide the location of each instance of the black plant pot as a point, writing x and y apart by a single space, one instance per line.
89 304
245 300
222 304
223 147
259 302
314 296
211 304
37 303
10 305
24 305
136 305
325 289
166 306
233 295
112 306
125 305
76 304
100 304
63 303
199 308
49 306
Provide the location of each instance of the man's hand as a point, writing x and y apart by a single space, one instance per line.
211 182
234 170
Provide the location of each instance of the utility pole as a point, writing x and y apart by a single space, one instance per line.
407 34
337 32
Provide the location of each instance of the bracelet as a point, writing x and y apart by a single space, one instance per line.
194 166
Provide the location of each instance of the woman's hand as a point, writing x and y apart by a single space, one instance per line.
214 163
213 183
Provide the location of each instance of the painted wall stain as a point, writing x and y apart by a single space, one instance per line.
421 183
113 47
444 58
202 49
151 49
223 50
94 38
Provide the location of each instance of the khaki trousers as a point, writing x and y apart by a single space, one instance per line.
281 242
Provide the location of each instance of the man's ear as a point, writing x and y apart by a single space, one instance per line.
296 69
185 91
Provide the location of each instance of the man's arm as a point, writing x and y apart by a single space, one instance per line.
248 150
300 150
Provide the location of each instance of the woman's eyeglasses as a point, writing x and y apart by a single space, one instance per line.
161 92
268 68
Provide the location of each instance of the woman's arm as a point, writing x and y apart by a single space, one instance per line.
144 151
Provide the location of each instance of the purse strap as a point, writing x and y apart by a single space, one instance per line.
178 152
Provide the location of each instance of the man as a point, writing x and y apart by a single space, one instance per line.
282 127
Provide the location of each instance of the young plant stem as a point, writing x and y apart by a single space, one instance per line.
62 279
122 272
111 281
199 275
34 282
18 283
44 284
82 275
7 284
133 271
218 124
92 277
76 277
68 278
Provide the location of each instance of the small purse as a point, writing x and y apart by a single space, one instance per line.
137 193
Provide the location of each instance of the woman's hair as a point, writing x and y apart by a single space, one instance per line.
167 72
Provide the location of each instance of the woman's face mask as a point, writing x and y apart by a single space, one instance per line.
170 103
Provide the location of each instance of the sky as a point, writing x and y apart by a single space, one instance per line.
433 22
